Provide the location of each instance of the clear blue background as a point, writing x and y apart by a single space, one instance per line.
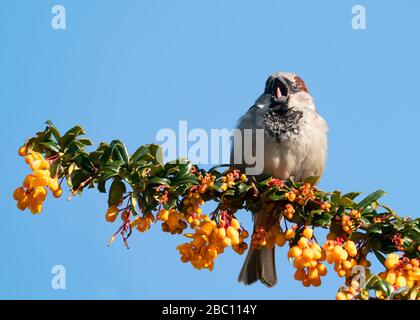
125 69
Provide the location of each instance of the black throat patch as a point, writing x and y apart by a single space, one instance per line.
283 123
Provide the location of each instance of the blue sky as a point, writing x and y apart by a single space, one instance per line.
129 68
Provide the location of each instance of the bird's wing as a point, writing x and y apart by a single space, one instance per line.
252 119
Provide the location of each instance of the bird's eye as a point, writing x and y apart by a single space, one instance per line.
295 87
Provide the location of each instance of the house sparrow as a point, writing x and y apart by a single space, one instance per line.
295 146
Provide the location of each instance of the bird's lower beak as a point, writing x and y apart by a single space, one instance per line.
279 92
279 100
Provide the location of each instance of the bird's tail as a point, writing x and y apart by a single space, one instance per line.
259 265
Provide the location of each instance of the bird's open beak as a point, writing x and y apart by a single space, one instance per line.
280 93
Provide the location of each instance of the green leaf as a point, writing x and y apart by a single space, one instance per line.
352 195
155 150
371 282
264 183
147 153
370 198
50 145
78 176
73 147
380 257
139 153
186 180
54 130
86 141
184 175
335 197
223 165
160 181
368 211
171 203
346 202
398 291
54 168
70 135
385 287
229 192
123 151
374 282
376 230
312 180
184 169
243 188
322 220
101 186
357 236
107 175
107 155
133 201
276 197
116 192
365 221
316 212
84 162
114 166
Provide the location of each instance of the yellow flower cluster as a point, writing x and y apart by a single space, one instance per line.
173 221
263 238
288 211
307 256
342 255
304 193
144 223
211 239
231 178
33 192
300 195
351 293
355 214
206 182
347 224
112 213
401 272
192 210
350 221
291 195
326 206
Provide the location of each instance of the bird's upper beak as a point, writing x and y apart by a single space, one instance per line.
279 92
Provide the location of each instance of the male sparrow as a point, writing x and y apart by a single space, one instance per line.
295 146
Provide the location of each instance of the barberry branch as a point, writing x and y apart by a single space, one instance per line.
143 191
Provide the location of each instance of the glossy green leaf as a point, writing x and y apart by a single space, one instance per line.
335 197
312 180
381 258
352 195
70 135
370 198
116 192
86 141
346 202
54 131
160 181
322 220
52 146
133 202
